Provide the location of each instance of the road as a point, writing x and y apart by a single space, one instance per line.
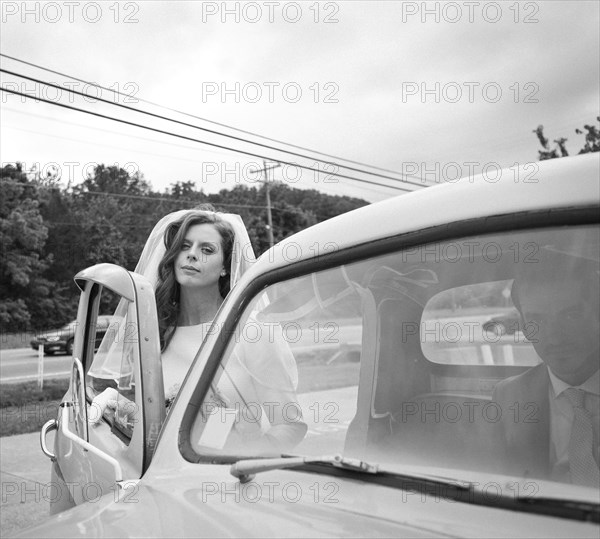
24 481
21 365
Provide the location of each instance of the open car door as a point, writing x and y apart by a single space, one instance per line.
96 452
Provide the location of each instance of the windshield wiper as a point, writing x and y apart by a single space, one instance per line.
245 470
582 510
426 484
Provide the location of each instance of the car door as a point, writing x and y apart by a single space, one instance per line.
97 452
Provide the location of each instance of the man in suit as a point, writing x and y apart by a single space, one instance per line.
550 414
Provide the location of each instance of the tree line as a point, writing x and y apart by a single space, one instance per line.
49 232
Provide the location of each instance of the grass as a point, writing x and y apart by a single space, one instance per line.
25 407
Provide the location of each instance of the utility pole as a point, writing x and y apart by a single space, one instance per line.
266 169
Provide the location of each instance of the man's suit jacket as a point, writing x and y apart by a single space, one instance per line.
524 426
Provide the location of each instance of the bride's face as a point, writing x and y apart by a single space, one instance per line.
200 260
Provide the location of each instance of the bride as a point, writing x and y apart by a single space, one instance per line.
193 258
202 255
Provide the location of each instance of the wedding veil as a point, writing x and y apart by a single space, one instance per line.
242 255
112 359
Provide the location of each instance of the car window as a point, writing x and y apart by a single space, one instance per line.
110 363
437 356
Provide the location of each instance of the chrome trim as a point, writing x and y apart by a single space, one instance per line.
48 426
88 446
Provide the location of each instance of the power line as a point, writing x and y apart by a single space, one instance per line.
116 92
97 144
187 200
220 146
109 131
137 151
195 202
211 131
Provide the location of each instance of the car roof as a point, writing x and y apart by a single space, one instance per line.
555 183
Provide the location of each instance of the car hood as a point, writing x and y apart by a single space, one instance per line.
289 503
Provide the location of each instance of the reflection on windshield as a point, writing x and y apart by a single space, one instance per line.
479 355
477 324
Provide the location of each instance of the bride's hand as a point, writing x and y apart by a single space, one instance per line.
103 403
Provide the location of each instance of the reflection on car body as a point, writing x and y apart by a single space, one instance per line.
413 439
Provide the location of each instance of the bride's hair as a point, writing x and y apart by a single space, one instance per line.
167 287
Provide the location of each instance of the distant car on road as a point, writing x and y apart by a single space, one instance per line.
61 339
504 324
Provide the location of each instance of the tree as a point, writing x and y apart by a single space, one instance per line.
113 179
112 206
101 220
592 142
22 237
592 138
186 190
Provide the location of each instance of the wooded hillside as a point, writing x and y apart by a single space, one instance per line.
48 233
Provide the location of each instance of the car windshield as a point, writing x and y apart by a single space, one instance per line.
456 356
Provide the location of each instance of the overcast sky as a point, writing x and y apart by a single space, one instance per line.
404 86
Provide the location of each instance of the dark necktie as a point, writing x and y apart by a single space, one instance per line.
584 469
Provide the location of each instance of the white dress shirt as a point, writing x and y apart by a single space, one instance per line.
561 420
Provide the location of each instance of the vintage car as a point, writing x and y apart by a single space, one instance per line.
278 430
